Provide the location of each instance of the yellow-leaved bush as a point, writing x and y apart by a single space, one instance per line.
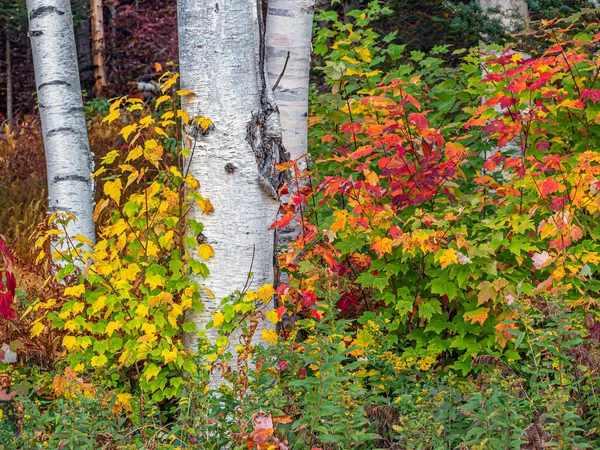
127 294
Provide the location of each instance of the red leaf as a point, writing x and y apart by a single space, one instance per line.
6 311
549 186
350 128
592 94
284 221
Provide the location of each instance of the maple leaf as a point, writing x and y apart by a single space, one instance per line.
448 257
487 292
477 316
381 245
592 94
284 221
548 186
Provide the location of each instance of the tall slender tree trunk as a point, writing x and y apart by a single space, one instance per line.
221 50
68 157
289 37
9 84
98 46
83 42
288 58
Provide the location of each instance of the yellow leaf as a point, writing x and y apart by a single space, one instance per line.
37 328
270 336
112 327
170 82
75 291
175 171
146 120
203 122
142 310
123 402
126 131
134 154
250 296
205 251
272 316
83 239
191 182
69 342
265 293
162 99
99 361
153 153
152 249
134 108
183 116
212 357
151 372
114 115
160 132
113 189
205 205
98 304
169 355
341 218
183 92
218 319
364 54
448 257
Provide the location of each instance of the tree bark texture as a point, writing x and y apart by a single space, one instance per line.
68 157
289 32
512 13
98 46
288 58
83 42
221 50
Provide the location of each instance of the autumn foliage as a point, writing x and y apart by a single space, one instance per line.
441 293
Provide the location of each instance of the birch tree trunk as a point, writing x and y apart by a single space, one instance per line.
512 13
9 83
289 32
221 53
68 158
98 46
288 57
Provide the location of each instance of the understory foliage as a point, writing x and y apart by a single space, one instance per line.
442 290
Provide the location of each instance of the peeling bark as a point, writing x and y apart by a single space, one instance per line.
221 52
68 157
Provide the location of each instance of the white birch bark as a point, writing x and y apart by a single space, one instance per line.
288 58
512 13
220 54
68 158
289 31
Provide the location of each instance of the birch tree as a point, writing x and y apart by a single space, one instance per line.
510 13
221 53
68 158
288 57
